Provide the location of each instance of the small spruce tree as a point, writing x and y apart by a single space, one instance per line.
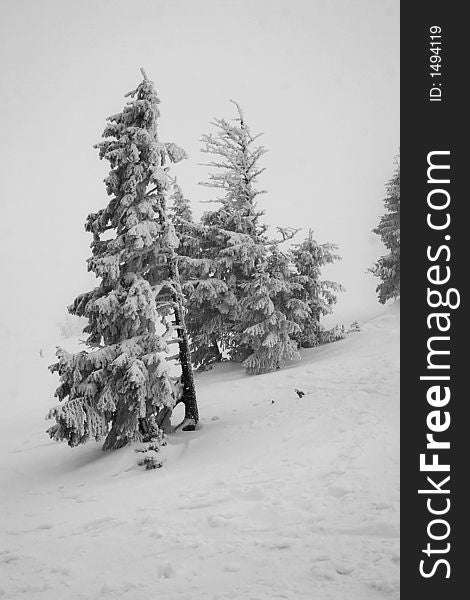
387 268
318 295
265 333
121 386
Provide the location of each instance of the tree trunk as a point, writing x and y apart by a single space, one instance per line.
187 378
123 428
163 419
191 413
217 352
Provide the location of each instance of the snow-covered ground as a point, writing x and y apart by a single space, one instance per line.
275 496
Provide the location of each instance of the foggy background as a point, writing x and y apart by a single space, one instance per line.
319 78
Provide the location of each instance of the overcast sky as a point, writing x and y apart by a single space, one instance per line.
319 78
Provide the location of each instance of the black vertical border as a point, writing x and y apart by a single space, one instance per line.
427 126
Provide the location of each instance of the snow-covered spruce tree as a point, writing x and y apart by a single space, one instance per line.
195 272
211 309
264 331
121 385
319 295
233 243
232 237
289 300
387 268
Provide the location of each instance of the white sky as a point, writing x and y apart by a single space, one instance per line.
319 78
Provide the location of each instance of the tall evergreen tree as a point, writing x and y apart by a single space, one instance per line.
319 295
121 385
229 239
233 243
387 268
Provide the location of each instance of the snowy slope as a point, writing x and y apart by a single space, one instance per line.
274 496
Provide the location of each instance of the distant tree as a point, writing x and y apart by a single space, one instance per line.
318 295
387 268
121 388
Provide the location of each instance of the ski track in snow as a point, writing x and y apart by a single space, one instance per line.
296 499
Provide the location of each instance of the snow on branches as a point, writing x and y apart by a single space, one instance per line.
123 377
247 300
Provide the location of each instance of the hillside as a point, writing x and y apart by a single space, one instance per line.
275 496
